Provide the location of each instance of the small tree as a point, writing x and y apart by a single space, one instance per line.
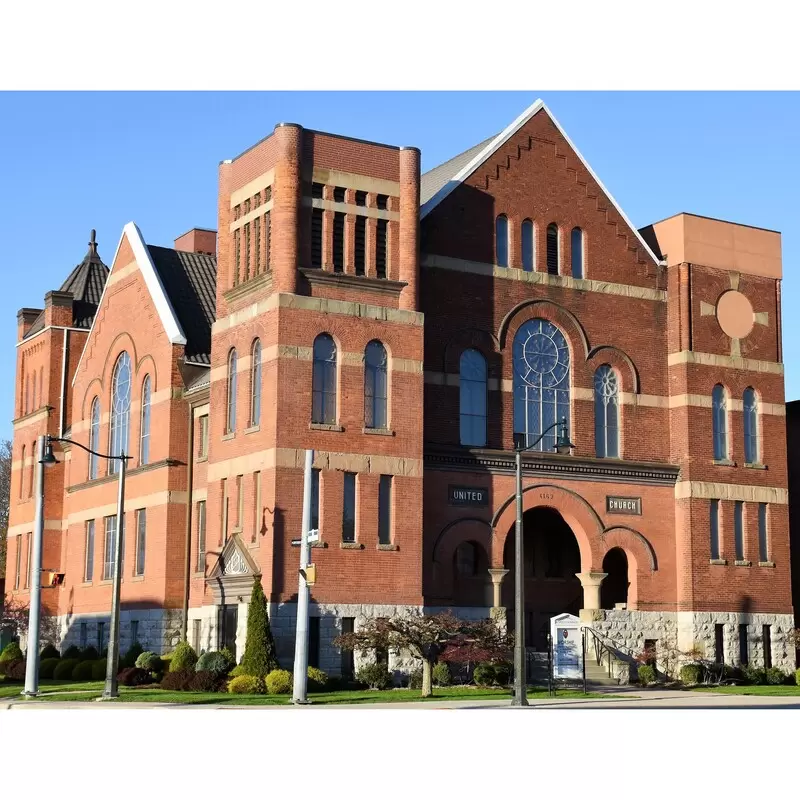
259 649
429 638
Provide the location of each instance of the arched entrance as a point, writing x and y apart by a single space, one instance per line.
614 588
552 561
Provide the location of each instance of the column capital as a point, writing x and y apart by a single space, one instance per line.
498 574
591 578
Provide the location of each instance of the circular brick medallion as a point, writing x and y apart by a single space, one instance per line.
735 314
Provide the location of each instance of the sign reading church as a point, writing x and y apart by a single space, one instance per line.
467 496
624 505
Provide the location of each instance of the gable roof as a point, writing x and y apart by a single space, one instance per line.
433 180
460 171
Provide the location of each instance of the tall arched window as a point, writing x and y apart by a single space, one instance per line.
501 240
541 381
719 403
144 433
323 381
120 409
22 479
528 246
750 409
35 404
230 413
552 249
94 438
577 252
606 412
255 384
472 382
376 390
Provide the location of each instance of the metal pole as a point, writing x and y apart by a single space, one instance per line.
300 696
583 657
35 573
520 682
113 634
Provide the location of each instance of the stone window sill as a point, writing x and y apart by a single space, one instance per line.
320 426
322 545
725 462
770 564
378 431
720 562
351 545
200 459
137 578
388 547
755 466
84 584
743 563
199 575
252 429
226 437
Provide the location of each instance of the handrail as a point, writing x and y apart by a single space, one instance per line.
601 645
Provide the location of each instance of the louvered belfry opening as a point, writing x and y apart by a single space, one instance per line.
316 237
338 242
552 249
360 245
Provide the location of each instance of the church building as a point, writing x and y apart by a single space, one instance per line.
412 329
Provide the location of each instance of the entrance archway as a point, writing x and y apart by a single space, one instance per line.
552 559
614 588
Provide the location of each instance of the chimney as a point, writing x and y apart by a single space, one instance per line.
198 240
25 318
58 308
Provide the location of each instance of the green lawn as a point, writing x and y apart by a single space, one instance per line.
91 691
761 691
14 689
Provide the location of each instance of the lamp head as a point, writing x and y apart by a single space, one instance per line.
48 459
563 445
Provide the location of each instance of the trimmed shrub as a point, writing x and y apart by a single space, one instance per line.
317 680
259 649
129 659
11 652
502 673
753 675
484 675
15 671
229 657
690 674
99 669
441 674
647 674
183 657
206 681
82 671
134 676
415 679
797 676
279 681
89 654
48 651
237 671
149 661
177 681
213 662
775 676
374 676
246 684
63 670
72 652
47 666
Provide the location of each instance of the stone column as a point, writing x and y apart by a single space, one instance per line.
591 582
498 613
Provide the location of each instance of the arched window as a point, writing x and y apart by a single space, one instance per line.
35 405
323 381
528 246
472 381
466 559
41 386
577 253
144 433
541 381
120 409
606 412
94 437
552 249
22 477
376 390
501 240
230 418
750 409
255 384
719 403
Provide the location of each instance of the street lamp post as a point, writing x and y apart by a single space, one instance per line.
563 447
48 459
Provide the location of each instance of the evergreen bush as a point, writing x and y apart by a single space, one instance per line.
441 674
237 671
177 681
415 679
502 673
82 671
317 680
484 675
279 681
259 649
89 654
374 676
99 669
47 666
183 657
133 676
16 669
246 684
797 676
214 662
753 675
48 651
149 661
229 657
11 652
647 674
63 670
690 674
73 651
206 681
775 676
129 659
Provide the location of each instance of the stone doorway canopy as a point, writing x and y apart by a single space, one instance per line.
231 578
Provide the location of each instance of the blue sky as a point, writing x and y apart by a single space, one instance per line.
77 161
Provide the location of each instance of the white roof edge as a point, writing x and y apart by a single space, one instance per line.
162 302
500 140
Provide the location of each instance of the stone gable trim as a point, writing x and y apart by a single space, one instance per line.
432 261
729 362
730 491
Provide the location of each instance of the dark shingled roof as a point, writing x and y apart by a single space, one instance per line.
190 281
86 283
436 178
